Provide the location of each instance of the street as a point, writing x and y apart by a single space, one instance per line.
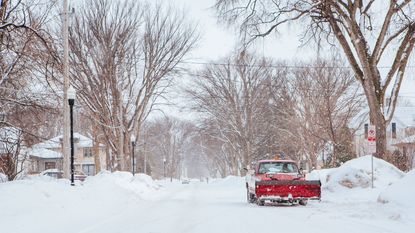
219 206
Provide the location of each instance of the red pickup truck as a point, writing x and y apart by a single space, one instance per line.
280 181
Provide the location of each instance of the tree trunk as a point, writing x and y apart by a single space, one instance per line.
381 140
95 150
378 120
313 162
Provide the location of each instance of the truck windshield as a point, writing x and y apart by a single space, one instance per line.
277 167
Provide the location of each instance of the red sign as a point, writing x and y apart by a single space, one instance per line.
371 139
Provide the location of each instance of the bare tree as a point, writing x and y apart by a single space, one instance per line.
22 35
327 100
169 139
234 100
123 56
11 158
366 33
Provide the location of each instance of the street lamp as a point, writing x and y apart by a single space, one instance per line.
133 147
71 100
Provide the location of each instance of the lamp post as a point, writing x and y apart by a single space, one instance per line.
133 147
71 101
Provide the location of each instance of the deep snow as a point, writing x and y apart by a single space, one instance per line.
119 202
400 193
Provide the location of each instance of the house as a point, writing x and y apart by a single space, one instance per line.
48 155
401 126
42 159
406 146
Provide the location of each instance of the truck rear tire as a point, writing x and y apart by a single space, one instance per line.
303 202
260 203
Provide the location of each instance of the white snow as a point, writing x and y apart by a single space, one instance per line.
358 173
44 204
119 202
401 192
3 178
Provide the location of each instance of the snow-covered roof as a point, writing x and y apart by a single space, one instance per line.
404 116
55 143
407 140
44 153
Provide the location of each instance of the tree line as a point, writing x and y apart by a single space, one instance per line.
124 56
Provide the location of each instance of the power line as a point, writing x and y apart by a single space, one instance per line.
193 62
277 65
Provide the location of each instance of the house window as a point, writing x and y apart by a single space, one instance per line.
87 152
88 169
393 130
50 165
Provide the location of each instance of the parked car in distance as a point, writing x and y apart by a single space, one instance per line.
58 174
78 175
55 173
185 181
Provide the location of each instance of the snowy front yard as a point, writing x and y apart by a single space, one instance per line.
120 203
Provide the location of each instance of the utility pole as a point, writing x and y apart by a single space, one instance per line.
65 143
145 158
132 139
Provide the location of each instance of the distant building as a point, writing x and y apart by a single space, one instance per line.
48 155
407 147
401 127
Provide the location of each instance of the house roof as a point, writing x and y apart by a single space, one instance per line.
55 143
44 153
407 140
403 116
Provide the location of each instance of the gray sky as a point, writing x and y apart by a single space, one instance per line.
219 40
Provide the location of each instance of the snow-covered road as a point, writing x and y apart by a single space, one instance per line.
219 206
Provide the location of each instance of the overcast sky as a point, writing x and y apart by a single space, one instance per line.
219 40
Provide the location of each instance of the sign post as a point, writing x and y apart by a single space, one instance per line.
371 140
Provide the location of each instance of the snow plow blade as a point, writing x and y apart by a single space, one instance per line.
288 190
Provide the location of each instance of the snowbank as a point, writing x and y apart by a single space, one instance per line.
3 178
401 192
115 188
139 184
45 203
357 173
